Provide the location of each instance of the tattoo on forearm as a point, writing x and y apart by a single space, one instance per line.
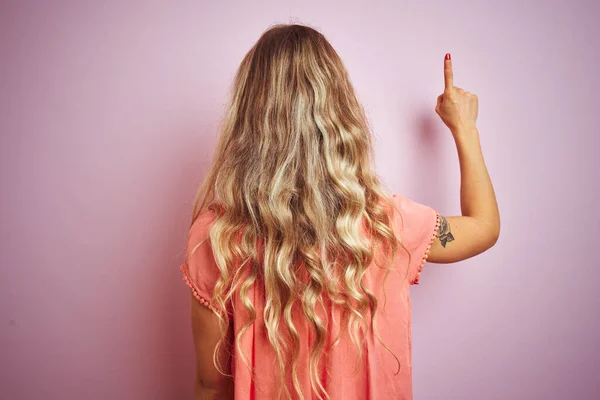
443 233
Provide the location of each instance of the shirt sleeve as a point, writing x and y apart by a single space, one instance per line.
199 269
416 225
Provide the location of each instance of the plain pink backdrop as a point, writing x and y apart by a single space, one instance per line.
108 117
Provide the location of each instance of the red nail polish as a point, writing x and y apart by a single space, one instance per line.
447 56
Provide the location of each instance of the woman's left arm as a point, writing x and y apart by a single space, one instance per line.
209 383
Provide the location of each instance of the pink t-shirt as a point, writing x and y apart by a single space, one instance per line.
376 376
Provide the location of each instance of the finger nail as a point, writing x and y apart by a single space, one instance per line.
447 56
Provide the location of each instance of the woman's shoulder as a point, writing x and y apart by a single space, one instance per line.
201 225
199 268
415 220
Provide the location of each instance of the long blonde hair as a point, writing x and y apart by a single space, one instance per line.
293 169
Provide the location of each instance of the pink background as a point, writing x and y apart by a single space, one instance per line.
108 116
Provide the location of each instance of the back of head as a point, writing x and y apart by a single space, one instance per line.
293 170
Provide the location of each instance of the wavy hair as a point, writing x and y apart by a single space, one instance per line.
293 170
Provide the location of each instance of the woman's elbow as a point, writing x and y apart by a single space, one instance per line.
221 389
493 234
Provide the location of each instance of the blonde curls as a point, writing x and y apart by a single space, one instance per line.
294 189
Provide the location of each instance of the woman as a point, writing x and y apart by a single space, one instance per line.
298 260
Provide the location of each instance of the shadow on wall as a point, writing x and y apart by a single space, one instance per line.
428 184
427 165
188 169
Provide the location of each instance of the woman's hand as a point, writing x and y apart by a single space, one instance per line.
456 107
478 228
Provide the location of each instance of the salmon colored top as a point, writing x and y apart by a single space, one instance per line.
373 379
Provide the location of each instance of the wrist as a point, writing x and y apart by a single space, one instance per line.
467 142
464 129
465 133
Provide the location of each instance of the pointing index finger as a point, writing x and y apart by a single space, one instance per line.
448 74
